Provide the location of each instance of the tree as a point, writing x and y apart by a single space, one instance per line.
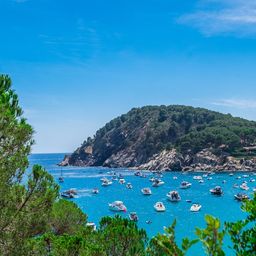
243 232
165 244
24 206
211 237
121 237
67 218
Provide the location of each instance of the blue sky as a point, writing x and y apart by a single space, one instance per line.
76 64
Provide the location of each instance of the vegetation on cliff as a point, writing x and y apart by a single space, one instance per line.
133 138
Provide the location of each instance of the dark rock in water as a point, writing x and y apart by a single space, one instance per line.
171 138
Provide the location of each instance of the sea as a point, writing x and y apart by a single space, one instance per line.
84 179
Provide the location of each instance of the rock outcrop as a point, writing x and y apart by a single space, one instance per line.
171 138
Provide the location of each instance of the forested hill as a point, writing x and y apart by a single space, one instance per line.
155 133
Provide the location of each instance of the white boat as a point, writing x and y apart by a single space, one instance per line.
241 197
114 177
129 185
195 207
252 180
121 181
137 173
175 177
92 225
117 206
197 177
152 179
216 191
201 181
146 191
133 216
235 186
106 183
173 196
103 179
157 183
159 207
244 186
95 191
254 190
231 174
185 184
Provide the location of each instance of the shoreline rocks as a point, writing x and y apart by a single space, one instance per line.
168 160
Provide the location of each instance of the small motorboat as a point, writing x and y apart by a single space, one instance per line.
252 180
106 183
245 175
152 179
244 186
197 177
209 178
117 206
67 194
254 189
137 173
122 181
201 181
133 216
129 185
241 197
185 184
61 179
91 225
216 191
189 201
235 186
231 174
95 191
114 177
173 196
159 207
146 191
157 183
195 207
103 179
175 177
148 221
71 191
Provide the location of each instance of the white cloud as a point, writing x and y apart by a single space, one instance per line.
223 16
236 103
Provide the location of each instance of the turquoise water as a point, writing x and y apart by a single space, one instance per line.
96 206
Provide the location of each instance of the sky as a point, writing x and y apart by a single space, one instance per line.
76 64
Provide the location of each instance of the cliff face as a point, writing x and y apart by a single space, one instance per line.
170 138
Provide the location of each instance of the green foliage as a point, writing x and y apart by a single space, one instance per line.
121 237
165 244
24 206
66 218
243 232
211 237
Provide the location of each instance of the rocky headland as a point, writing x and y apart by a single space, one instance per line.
170 138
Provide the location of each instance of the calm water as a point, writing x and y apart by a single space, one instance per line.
96 206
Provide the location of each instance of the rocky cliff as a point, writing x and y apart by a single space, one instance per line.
171 138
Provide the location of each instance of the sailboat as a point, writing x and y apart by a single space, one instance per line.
61 178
